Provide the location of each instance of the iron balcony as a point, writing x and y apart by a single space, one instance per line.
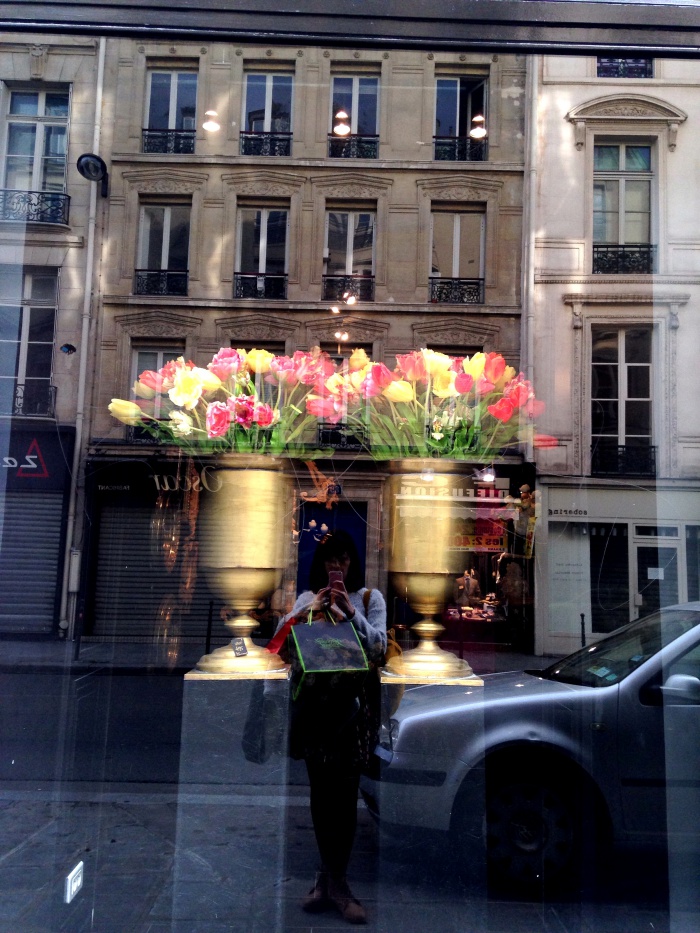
339 287
34 207
160 282
623 460
259 285
180 142
353 147
459 149
637 258
266 144
456 291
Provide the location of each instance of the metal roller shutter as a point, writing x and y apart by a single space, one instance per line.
29 562
147 583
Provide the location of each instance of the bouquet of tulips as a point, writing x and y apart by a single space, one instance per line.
430 404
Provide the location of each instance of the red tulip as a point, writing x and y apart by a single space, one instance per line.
502 410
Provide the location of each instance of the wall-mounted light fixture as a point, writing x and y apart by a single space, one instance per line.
94 168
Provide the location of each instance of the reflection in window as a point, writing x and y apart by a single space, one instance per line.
458 101
621 397
267 115
27 323
163 255
457 273
622 210
261 265
170 112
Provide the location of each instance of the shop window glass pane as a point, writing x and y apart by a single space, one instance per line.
362 244
342 96
610 595
7 394
692 556
470 246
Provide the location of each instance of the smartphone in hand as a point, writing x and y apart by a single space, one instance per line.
335 581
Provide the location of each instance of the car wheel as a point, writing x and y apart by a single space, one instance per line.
532 837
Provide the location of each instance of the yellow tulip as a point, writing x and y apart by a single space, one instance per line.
187 388
143 391
435 362
475 365
210 381
358 360
399 391
444 384
126 412
259 360
336 384
358 376
508 374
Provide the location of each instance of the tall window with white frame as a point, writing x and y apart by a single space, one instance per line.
621 401
457 256
151 357
171 112
349 256
27 323
622 208
261 255
34 171
163 250
460 119
267 115
354 117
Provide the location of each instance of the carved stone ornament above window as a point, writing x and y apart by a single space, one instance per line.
612 113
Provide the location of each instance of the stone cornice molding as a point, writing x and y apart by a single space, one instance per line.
155 182
626 298
457 188
357 185
361 330
264 183
636 110
455 333
157 324
247 327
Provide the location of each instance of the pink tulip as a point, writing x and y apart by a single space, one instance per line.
502 410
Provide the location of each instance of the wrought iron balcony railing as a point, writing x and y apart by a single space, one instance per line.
622 460
160 282
625 67
266 144
637 258
338 287
457 291
180 142
353 147
460 149
252 285
33 399
34 207
340 438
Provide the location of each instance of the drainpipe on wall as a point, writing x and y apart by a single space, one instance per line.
527 329
72 558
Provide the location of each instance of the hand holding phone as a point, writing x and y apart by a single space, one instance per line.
336 582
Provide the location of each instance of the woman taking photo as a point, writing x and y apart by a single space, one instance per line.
334 737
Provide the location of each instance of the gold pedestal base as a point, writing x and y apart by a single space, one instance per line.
429 659
232 658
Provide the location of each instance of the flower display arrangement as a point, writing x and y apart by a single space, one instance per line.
430 404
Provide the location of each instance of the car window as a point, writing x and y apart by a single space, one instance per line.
610 660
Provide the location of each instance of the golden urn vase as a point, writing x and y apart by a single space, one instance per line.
424 510
243 544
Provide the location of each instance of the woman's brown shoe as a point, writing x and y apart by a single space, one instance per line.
317 900
344 901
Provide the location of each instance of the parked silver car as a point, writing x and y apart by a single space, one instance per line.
538 765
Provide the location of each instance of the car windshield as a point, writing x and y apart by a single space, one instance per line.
609 661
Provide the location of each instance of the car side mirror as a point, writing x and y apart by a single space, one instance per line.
681 688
